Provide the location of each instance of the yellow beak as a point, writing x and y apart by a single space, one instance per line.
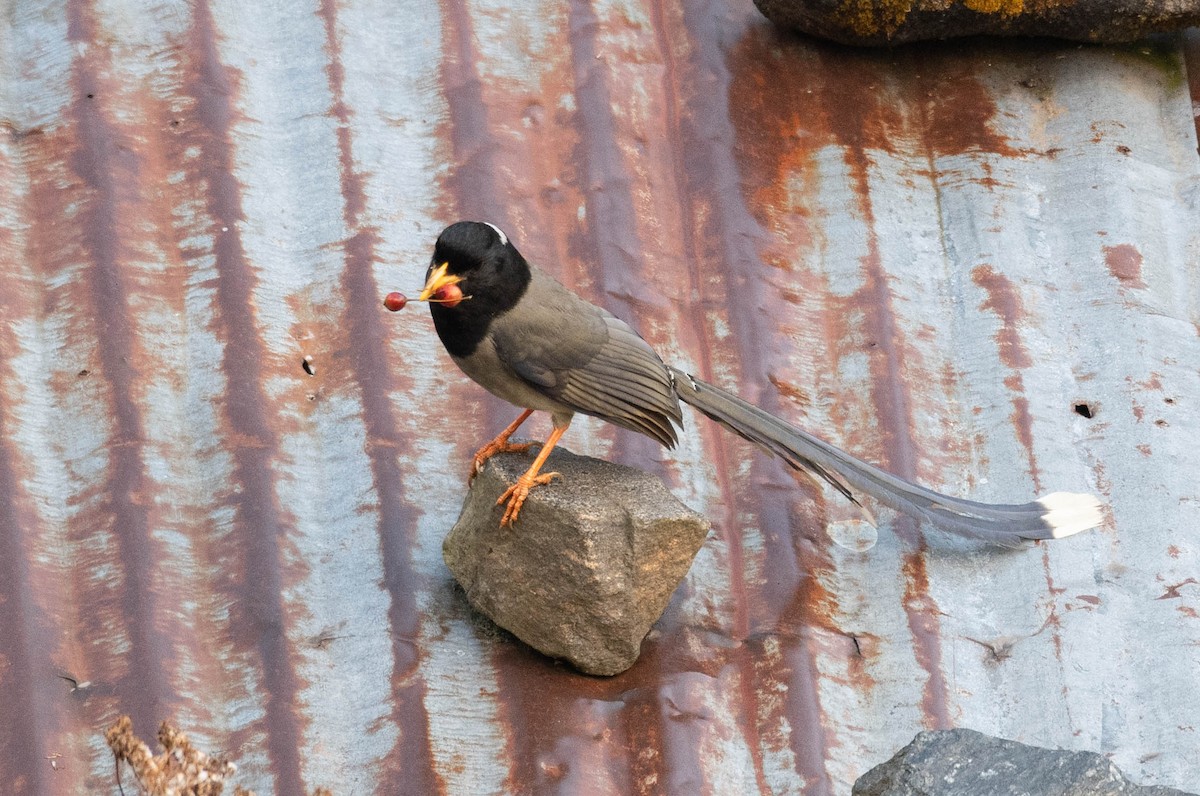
438 279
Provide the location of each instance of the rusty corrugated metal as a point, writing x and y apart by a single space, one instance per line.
930 255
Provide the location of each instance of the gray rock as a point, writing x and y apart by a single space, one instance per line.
880 22
589 565
967 763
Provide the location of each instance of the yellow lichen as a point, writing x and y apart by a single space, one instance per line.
872 17
869 18
1005 8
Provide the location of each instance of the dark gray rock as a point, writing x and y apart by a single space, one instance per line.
967 763
589 565
879 22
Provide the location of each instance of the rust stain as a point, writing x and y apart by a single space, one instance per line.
614 247
23 627
891 402
256 579
609 242
1022 421
867 103
26 632
1172 592
42 624
1124 262
866 651
472 182
1005 302
924 624
1154 382
1053 620
728 212
409 766
107 195
898 102
959 111
566 721
103 161
796 616
791 391
904 102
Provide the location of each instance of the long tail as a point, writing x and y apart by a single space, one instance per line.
1051 517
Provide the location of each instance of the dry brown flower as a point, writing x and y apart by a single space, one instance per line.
180 770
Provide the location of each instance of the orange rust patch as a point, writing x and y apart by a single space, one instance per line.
899 102
1172 592
791 391
1004 300
924 623
1124 262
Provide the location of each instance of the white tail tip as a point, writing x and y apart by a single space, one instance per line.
1070 512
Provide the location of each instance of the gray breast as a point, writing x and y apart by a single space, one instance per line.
485 367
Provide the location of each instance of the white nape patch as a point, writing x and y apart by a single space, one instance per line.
500 232
1070 512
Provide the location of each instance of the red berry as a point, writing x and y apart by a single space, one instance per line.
395 301
449 295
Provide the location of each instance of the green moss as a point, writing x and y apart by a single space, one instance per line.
1163 53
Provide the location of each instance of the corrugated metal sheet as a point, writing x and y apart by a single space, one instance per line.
930 255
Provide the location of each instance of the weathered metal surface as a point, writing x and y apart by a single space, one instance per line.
931 256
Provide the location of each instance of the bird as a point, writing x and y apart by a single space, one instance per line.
531 341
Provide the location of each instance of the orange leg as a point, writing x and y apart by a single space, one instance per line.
516 494
500 445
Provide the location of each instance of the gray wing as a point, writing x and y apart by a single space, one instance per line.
583 357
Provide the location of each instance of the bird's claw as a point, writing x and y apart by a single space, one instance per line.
490 450
515 495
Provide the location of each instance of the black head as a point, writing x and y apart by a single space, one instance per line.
479 258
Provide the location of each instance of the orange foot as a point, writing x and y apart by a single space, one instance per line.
516 494
490 450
